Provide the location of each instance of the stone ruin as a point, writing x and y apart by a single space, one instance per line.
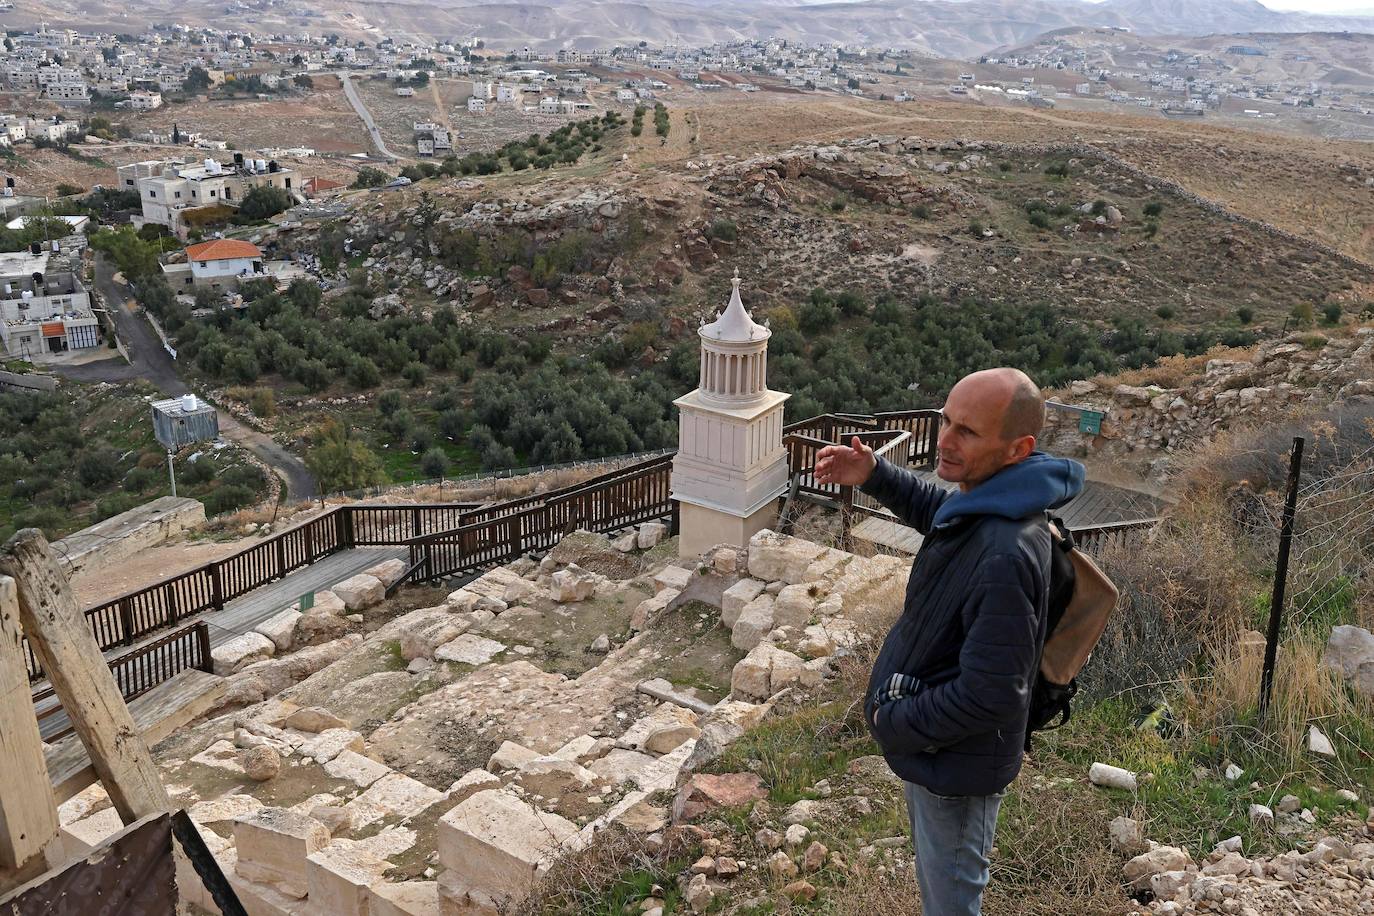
442 762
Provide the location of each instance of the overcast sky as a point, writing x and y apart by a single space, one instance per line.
1319 6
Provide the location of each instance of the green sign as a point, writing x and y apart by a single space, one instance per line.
307 601
1090 422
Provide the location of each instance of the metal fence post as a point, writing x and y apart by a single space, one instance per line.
1271 644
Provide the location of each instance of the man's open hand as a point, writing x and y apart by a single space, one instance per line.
846 465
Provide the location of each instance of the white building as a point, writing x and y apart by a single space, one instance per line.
404 91
481 90
169 188
145 101
218 264
506 93
548 105
476 105
730 465
44 308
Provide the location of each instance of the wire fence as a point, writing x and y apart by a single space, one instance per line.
1333 544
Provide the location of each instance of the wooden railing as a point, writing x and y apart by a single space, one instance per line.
1096 539
635 494
144 668
124 620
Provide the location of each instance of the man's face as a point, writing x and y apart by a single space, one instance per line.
971 444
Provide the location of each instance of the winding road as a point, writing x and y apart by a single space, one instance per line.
356 101
150 361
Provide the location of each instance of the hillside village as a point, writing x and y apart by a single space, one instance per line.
408 458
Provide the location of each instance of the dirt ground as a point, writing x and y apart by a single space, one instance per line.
321 119
1311 187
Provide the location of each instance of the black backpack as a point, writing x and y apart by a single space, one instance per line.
1081 599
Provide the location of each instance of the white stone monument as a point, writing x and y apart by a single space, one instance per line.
731 466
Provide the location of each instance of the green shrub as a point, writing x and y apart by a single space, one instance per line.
1331 312
723 229
1245 314
1039 219
1153 208
1165 311
921 211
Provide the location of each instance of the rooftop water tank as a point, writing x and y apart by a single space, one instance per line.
188 402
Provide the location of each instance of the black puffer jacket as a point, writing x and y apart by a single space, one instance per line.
973 623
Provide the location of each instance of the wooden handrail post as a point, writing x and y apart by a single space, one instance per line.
216 587
28 813
207 664
81 679
126 619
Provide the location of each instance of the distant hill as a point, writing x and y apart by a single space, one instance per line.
949 28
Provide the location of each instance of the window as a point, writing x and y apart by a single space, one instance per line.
288 182
178 193
188 281
202 263
129 182
212 192
152 193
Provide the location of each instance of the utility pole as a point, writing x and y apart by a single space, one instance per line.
171 472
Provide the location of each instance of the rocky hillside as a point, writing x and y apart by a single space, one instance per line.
1183 403
1070 227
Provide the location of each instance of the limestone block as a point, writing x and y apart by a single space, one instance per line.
278 674
787 669
572 584
764 671
273 844
327 602
313 719
794 606
422 641
650 534
754 623
355 768
82 836
736 597
360 592
675 577
395 794
470 783
1350 650
554 777
280 628
341 878
661 774
387 571
725 559
577 747
240 652
224 808
661 730
82 803
469 649
407 898
510 756
257 899
829 565
620 766
626 542
774 556
749 678
496 844
222 755
316 628
330 743
650 608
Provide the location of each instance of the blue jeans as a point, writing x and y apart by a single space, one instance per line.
953 837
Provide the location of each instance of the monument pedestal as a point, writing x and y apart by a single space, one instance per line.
703 528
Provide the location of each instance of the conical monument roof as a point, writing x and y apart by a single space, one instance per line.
734 324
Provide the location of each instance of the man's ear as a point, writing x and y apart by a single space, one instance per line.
1022 447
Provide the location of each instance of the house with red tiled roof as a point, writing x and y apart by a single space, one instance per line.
218 263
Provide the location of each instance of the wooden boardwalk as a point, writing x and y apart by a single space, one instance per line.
242 614
1098 504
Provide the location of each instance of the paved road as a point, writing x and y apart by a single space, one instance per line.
149 360
356 101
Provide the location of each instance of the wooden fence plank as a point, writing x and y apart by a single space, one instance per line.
28 814
67 650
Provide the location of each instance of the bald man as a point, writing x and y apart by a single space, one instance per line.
949 694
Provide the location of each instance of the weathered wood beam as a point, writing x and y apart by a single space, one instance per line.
28 813
66 648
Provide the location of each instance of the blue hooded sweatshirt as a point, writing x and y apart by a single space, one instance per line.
973 623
